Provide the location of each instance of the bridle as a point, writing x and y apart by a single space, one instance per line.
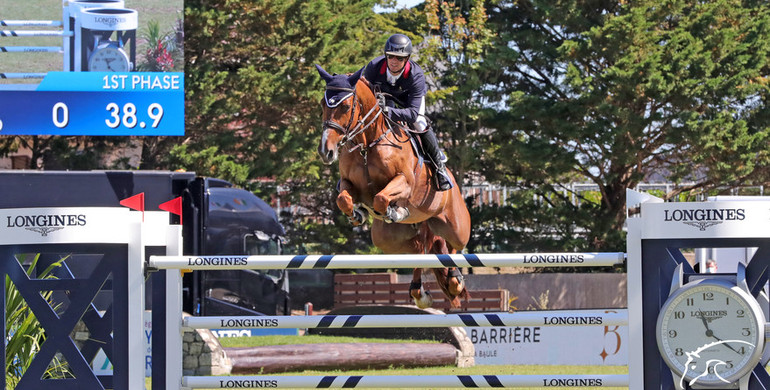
348 133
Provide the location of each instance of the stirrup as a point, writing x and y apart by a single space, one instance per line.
442 180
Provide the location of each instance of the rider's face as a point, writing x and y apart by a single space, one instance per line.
396 63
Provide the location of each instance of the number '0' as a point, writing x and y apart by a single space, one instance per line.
60 108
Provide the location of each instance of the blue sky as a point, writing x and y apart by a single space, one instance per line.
408 3
404 4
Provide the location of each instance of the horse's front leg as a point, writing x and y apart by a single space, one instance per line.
346 202
385 202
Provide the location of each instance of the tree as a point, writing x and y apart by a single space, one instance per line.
616 92
456 38
253 92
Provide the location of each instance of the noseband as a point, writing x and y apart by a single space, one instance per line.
348 132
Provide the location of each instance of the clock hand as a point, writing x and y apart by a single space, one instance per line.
710 333
705 323
725 344
109 63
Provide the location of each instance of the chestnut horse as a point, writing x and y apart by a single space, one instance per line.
381 174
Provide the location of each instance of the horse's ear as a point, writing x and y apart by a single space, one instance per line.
353 79
324 74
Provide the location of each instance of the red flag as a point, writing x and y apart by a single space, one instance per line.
135 202
173 206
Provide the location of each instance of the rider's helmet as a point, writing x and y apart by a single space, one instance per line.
398 45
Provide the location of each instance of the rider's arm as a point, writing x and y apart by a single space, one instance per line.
415 100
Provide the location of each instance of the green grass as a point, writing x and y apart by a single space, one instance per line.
165 12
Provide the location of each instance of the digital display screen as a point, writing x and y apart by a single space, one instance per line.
92 67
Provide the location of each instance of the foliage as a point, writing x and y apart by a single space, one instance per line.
159 57
252 90
209 162
541 219
528 93
23 332
618 92
457 36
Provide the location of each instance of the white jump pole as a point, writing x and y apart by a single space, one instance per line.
602 317
31 49
30 23
34 33
592 259
398 381
28 75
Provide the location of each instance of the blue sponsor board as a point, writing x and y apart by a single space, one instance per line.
96 103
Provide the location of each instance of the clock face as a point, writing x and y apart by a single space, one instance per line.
710 333
109 59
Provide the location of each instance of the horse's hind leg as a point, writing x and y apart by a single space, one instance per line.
399 238
420 296
449 279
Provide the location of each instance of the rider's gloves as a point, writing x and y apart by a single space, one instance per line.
383 105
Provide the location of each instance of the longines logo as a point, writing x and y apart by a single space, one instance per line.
45 224
110 21
704 218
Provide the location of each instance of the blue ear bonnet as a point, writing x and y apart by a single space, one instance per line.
337 90
338 87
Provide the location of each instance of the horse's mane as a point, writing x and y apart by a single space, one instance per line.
368 93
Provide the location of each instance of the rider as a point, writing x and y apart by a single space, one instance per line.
402 79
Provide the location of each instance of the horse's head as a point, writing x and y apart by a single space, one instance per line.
339 112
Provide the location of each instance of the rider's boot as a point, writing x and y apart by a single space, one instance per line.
430 145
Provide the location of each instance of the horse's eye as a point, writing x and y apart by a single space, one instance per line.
345 107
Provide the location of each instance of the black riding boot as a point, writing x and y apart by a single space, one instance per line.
430 145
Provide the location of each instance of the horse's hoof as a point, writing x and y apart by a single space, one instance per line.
396 214
456 282
424 301
359 216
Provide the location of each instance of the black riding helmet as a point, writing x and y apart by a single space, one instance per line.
398 45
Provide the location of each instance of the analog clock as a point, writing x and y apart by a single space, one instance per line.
109 57
711 332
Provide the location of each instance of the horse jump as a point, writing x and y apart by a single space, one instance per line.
31 49
382 175
535 318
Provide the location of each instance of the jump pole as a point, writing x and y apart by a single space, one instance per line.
22 75
590 259
29 23
31 49
397 381
605 317
34 33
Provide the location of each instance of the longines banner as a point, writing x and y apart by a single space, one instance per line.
706 219
551 345
66 225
